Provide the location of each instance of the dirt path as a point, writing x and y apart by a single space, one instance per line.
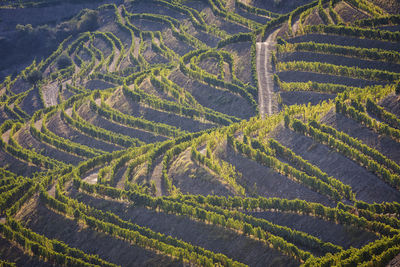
264 70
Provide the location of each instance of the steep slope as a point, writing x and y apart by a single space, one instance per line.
201 133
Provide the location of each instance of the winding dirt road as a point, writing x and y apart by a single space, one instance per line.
265 73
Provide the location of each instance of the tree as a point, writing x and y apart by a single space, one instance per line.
247 229
25 29
64 61
398 88
277 3
77 214
89 21
34 77
287 120
153 188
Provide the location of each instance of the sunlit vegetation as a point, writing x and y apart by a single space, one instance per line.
137 140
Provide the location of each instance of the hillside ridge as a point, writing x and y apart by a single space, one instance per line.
199 132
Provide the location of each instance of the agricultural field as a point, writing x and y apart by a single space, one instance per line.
200 133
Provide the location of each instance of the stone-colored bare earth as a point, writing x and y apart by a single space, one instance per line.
192 178
103 46
99 121
391 28
98 85
13 164
154 8
206 38
92 176
26 140
121 103
342 235
390 6
283 6
392 104
31 102
14 253
366 185
301 76
313 18
340 60
148 25
258 18
148 87
210 65
187 175
119 180
156 177
179 47
20 86
302 97
60 128
344 40
53 225
383 144
242 62
269 183
50 94
216 239
394 262
220 100
211 19
5 115
151 56
348 13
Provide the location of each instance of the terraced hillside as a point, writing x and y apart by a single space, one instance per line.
200 133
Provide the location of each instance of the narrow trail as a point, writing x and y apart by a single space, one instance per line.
264 71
